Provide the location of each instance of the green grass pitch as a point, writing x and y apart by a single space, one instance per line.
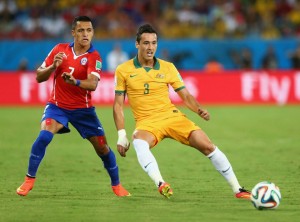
262 143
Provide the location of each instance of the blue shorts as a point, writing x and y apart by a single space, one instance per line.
84 120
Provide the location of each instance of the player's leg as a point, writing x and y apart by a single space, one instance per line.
89 126
110 164
49 127
199 140
142 141
107 156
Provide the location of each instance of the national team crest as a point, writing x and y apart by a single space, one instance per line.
160 76
83 61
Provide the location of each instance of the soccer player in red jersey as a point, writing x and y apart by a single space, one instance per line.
76 68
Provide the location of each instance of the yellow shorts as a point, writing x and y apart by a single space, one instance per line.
178 128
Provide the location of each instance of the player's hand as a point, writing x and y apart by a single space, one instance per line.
58 59
123 144
68 78
204 114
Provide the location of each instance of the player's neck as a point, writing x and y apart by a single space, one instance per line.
147 63
79 50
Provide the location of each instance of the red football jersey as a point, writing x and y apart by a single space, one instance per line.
65 95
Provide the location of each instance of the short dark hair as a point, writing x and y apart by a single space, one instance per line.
81 18
144 29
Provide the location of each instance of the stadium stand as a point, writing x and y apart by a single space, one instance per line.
213 19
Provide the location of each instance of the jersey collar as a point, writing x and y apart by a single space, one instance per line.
138 65
91 49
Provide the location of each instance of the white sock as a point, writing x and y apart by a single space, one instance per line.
147 160
222 164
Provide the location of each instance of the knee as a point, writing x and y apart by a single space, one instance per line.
210 148
145 136
101 141
101 146
201 142
206 148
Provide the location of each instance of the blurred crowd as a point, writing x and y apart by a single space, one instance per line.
115 19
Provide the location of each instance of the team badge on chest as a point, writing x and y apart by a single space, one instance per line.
160 76
83 61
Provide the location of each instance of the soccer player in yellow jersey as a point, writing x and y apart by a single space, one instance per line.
146 80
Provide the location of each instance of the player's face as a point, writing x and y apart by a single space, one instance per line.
147 46
83 33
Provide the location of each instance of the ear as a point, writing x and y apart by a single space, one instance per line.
73 32
137 44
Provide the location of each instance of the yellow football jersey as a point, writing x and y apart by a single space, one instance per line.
148 89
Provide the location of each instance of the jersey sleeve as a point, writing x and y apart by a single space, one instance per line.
95 64
120 81
176 80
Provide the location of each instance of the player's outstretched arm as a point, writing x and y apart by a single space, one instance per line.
193 104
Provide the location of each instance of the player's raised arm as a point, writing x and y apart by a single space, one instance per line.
43 73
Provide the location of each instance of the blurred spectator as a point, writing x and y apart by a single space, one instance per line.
294 16
252 28
8 10
165 55
52 23
268 28
269 60
169 25
23 65
295 58
178 58
175 57
213 66
116 57
186 14
243 59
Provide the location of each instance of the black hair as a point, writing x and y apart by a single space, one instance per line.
144 29
81 18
